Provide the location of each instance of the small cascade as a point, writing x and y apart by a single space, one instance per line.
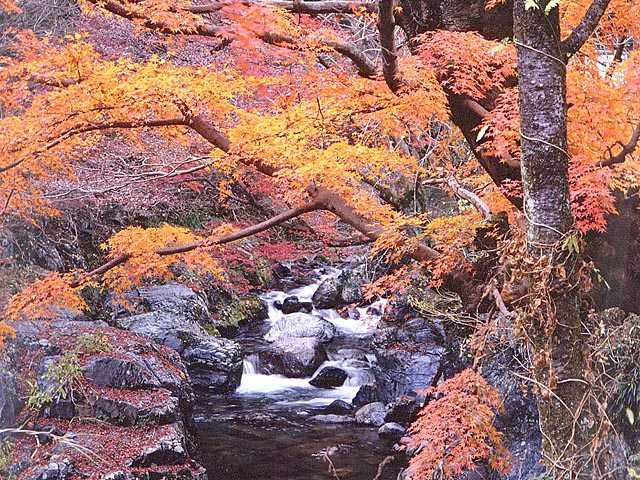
350 330
250 365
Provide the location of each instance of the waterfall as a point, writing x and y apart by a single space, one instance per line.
250 365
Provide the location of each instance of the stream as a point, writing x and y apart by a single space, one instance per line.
264 430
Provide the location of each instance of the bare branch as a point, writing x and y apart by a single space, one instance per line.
570 45
332 202
627 149
471 197
91 128
366 68
387 27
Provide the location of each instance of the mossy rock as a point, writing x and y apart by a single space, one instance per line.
238 311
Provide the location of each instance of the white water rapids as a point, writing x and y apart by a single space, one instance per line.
257 384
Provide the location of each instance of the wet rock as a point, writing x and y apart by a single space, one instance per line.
280 270
293 304
301 325
350 354
119 373
169 449
391 431
8 396
341 290
327 295
350 283
329 377
371 414
403 410
519 418
366 394
55 470
214 365
294 357
331 418
338 407
232 312
166 329
408 358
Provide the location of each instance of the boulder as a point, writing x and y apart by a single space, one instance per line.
293 304
8 396
214 364
351 282
164 328
294 357
55 470
301 325
366 394
408 358
119 373
341 290
338 407
174 298
122 411
391 431
518 420
168 449
327 295
329 377
404 410
330 418
132 383
371 414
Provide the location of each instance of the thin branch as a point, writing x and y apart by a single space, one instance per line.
91 128
471 197
365 66
303 6
570 45
237 235
627 149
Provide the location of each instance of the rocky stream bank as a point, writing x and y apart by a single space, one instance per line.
312 383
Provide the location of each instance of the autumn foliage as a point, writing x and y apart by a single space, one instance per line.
455 431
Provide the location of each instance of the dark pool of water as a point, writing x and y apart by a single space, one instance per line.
257 439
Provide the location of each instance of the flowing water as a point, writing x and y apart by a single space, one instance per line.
263 430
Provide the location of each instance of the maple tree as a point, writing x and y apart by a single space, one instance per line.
455 431
334 128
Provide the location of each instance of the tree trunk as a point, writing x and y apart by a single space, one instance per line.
556 328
